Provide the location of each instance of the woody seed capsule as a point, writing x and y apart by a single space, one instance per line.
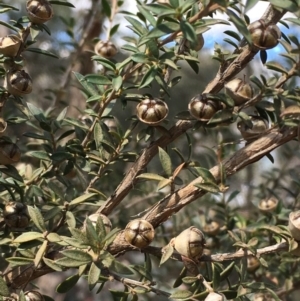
152 111
10 45
139 233
39 11
18 82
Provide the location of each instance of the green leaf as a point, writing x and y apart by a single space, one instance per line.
81 198
93 276
62 3
37 218
140 57
11 171
240 25
53 237
4 291
117 83
104 62
276 67
71 262
51 264
19 261
40 253
286 4
44 52
16 29
148 77
205 174
166 254
293 20
87 86
165 161
97 79
150 176
227 271
188 31
37 113
163 29
249 4
28 236
67 284
209 187
180 295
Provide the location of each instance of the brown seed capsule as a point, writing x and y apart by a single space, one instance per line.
105 49
294 224
259 126
39 11
252 264
211 228
239 91
33 296
139 233
94 217
202 108
3 126
212 296
9 153
152 111
189 243
18 82
16 215
264 36
268 205
10 45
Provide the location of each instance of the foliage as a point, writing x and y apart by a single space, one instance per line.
61 165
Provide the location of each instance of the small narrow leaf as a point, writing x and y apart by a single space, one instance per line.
28 236
37 218
165 161
82 198
67 284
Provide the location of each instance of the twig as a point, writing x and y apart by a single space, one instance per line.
181 126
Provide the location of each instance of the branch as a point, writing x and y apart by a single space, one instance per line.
281 247
171 204
272 16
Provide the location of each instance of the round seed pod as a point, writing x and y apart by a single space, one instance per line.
39 11
33 296
212 228
239 91
189 243
252 264
3 126
264 36
106 49
268 205
9 153
152 111
18 82
139 233
10 45
294 224
107 223
259 126
16 215
202 108
212 296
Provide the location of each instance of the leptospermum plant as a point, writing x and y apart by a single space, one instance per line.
73 176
